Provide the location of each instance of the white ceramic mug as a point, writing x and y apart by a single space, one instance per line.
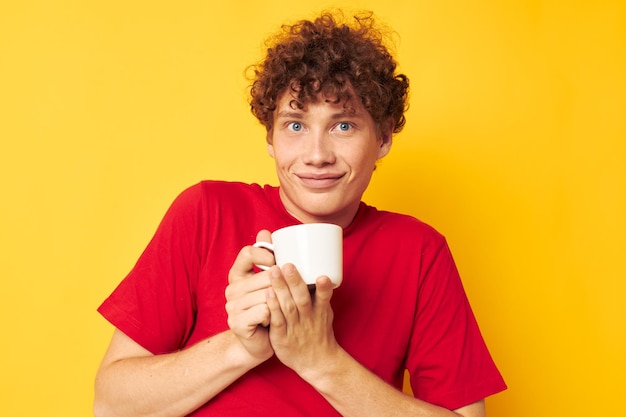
315 249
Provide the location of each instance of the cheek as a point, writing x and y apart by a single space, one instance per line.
362 161
282 159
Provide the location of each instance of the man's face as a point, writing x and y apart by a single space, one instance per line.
325 155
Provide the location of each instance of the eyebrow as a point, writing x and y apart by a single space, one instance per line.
289 114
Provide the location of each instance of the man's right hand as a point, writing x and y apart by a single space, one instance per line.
248 314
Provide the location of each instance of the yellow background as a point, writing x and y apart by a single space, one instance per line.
515 149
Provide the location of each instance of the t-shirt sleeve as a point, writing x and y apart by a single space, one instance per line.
154 305
448 361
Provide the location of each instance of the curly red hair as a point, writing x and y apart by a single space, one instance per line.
334 60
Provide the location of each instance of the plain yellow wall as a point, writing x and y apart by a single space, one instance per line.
515 149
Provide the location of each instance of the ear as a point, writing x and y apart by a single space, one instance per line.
385 144
270 146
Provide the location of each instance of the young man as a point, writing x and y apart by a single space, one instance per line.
200 331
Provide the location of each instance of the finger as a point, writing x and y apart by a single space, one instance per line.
247 320
242 267
267 255
247 257
283 295
264 236
239 286
238 298
323 291
297 287
277 319
259 314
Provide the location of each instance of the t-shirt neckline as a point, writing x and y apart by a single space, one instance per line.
273 195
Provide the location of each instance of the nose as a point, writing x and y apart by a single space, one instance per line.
319 149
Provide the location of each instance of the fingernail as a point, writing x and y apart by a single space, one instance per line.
274 272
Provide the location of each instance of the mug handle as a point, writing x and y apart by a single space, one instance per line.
270 247
264 245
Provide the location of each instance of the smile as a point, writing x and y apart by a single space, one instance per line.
319 181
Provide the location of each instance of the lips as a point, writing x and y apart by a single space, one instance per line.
320 180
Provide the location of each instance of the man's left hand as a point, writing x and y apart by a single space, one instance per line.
301 324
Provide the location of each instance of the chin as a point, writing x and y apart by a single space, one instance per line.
327 213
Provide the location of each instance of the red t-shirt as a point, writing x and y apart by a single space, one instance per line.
401 304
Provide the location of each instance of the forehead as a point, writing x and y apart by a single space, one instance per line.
289 102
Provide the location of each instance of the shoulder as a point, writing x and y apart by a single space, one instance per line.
223 202
219 188
398 227
217 191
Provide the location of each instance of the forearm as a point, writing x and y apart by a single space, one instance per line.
354 391
173 384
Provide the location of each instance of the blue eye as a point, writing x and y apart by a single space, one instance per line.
295 126
344 126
